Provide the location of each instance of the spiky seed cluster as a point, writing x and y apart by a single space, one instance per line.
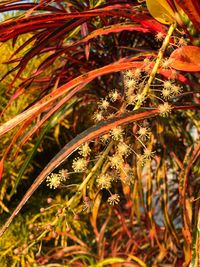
103 104
104 181
143 132
164 109
105 138
129 74
176 90
166 63
167 84
98 116
130 83
84 150
117 133
64 174
114 199
159 36
166 93
180 41
114 95
53 180
137 73
116 161
79 164
148 154
170 89
123 149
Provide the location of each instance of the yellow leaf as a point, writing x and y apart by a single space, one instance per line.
161 11
139 261
95 210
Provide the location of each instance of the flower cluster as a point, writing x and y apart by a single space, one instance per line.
54 179
79 164
84 150
117 133
113 199
164 109
104 181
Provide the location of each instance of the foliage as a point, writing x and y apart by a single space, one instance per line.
120 89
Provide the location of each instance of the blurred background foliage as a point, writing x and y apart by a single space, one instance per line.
146 228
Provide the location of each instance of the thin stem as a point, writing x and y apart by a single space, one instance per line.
157 64
92 172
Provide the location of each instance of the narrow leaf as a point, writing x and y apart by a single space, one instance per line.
192 9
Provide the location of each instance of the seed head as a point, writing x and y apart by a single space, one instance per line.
79 164
166 63
166 93
116 161
128 74
114 199
148 154
123 149
98 116
164 109
144 132
117 133
159 36
53 180
114 95
103 104
176 90
64 174
130 83
167 84
104 181
84 150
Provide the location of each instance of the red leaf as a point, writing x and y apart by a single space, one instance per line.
1 168
186 58
192 9
43 104
84 32
19 92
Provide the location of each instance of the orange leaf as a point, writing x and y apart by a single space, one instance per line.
186 58
1 168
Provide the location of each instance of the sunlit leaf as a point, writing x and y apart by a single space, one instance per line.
161 11
109 261
186 58
139 261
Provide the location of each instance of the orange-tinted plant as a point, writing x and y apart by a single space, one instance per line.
126 80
